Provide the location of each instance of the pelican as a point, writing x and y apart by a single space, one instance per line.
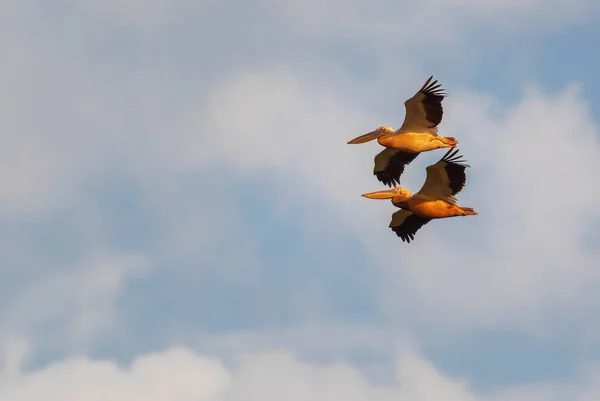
418 133
435 199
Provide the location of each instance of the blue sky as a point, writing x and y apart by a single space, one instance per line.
179 206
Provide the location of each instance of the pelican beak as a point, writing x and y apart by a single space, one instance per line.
387 194
366 137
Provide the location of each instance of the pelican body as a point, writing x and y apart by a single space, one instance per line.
435 199
417 134
409 142
433 209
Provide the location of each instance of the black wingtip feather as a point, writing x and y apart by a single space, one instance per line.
426 83
386 179
451 157
432 101
390 175
403 236
455 168
433 89
407 230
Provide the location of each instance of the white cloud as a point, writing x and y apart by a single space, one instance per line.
176 374
324 339
296 130
55 127
143 15
532 186
421 23
73 119
137 13
530 181
179 374
274 119
80 301
88 114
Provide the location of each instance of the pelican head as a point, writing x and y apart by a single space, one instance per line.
397 194
379 132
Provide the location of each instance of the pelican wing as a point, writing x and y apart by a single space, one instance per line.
406 224
445 178
389 165
424 110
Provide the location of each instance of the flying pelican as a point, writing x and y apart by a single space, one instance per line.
435 200
418 133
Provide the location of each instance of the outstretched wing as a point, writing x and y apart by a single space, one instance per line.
424 110
389 165
406 224
445 178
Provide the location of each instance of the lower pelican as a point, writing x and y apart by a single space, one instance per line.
435 200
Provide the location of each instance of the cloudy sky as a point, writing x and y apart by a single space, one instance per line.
180 215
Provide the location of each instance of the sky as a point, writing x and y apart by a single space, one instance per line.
181 220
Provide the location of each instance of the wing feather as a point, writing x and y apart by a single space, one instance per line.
445 178
424 110
390 164
406 224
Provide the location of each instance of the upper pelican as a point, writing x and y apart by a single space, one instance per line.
435 200
418 133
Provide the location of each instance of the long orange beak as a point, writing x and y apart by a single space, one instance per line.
387 194
366 137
